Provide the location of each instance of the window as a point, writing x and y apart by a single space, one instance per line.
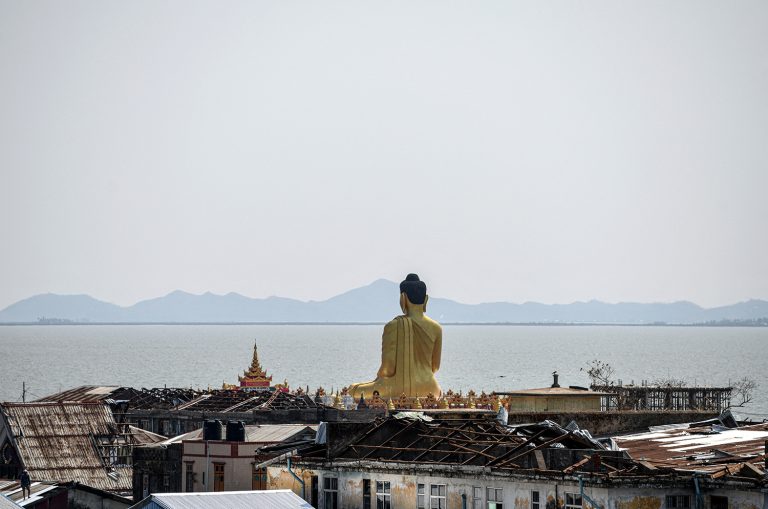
189 476
366 494
678 501
495 498
477 497
218 477
437 498
330 493
420 497
259 478
383 496
572 501
535 500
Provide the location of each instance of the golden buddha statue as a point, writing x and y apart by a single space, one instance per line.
410 349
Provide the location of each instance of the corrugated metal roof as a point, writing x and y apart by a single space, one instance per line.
11 490
261 433
55 442
273 499
705 448
7 504
84 393
185 399
144 437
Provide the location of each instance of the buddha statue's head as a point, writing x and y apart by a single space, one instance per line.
413 294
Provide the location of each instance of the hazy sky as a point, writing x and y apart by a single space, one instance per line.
546 151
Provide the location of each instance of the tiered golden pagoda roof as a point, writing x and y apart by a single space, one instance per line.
255 376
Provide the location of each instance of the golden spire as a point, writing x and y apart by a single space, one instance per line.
255 368
255 376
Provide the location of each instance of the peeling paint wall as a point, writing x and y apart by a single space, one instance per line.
639 502
554 403
516 492
655 497
278 478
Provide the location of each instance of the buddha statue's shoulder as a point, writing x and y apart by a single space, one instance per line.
425 322
434 327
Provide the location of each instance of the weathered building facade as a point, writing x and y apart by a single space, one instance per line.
195 463
475 463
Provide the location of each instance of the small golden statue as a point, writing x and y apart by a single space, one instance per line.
410 348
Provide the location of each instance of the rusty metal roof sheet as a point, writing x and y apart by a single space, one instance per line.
705 448
185 399
262 434
55 442
84 393
144 437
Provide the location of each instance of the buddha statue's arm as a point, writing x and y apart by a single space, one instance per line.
388 351
437 351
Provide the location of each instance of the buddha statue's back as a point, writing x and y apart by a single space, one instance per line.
411 346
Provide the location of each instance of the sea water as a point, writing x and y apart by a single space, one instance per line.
50 358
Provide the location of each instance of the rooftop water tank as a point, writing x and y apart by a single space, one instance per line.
235 431
212 430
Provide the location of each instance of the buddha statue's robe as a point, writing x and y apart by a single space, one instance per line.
410 356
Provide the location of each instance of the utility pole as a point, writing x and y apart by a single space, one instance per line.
23 392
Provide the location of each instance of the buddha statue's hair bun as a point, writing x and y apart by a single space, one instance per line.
414 288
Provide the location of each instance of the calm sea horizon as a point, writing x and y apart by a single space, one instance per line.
50 358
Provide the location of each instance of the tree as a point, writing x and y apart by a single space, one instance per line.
600 373
743 390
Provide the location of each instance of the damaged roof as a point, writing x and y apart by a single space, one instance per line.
225 401
468 442
220 401
84 393
545 448
137 398
57 442
712 448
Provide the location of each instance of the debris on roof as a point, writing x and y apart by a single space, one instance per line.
710 449
220 401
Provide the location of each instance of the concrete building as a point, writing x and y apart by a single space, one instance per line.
473 463
554 399
228 465
190 463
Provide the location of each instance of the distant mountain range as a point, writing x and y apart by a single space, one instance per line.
376 302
